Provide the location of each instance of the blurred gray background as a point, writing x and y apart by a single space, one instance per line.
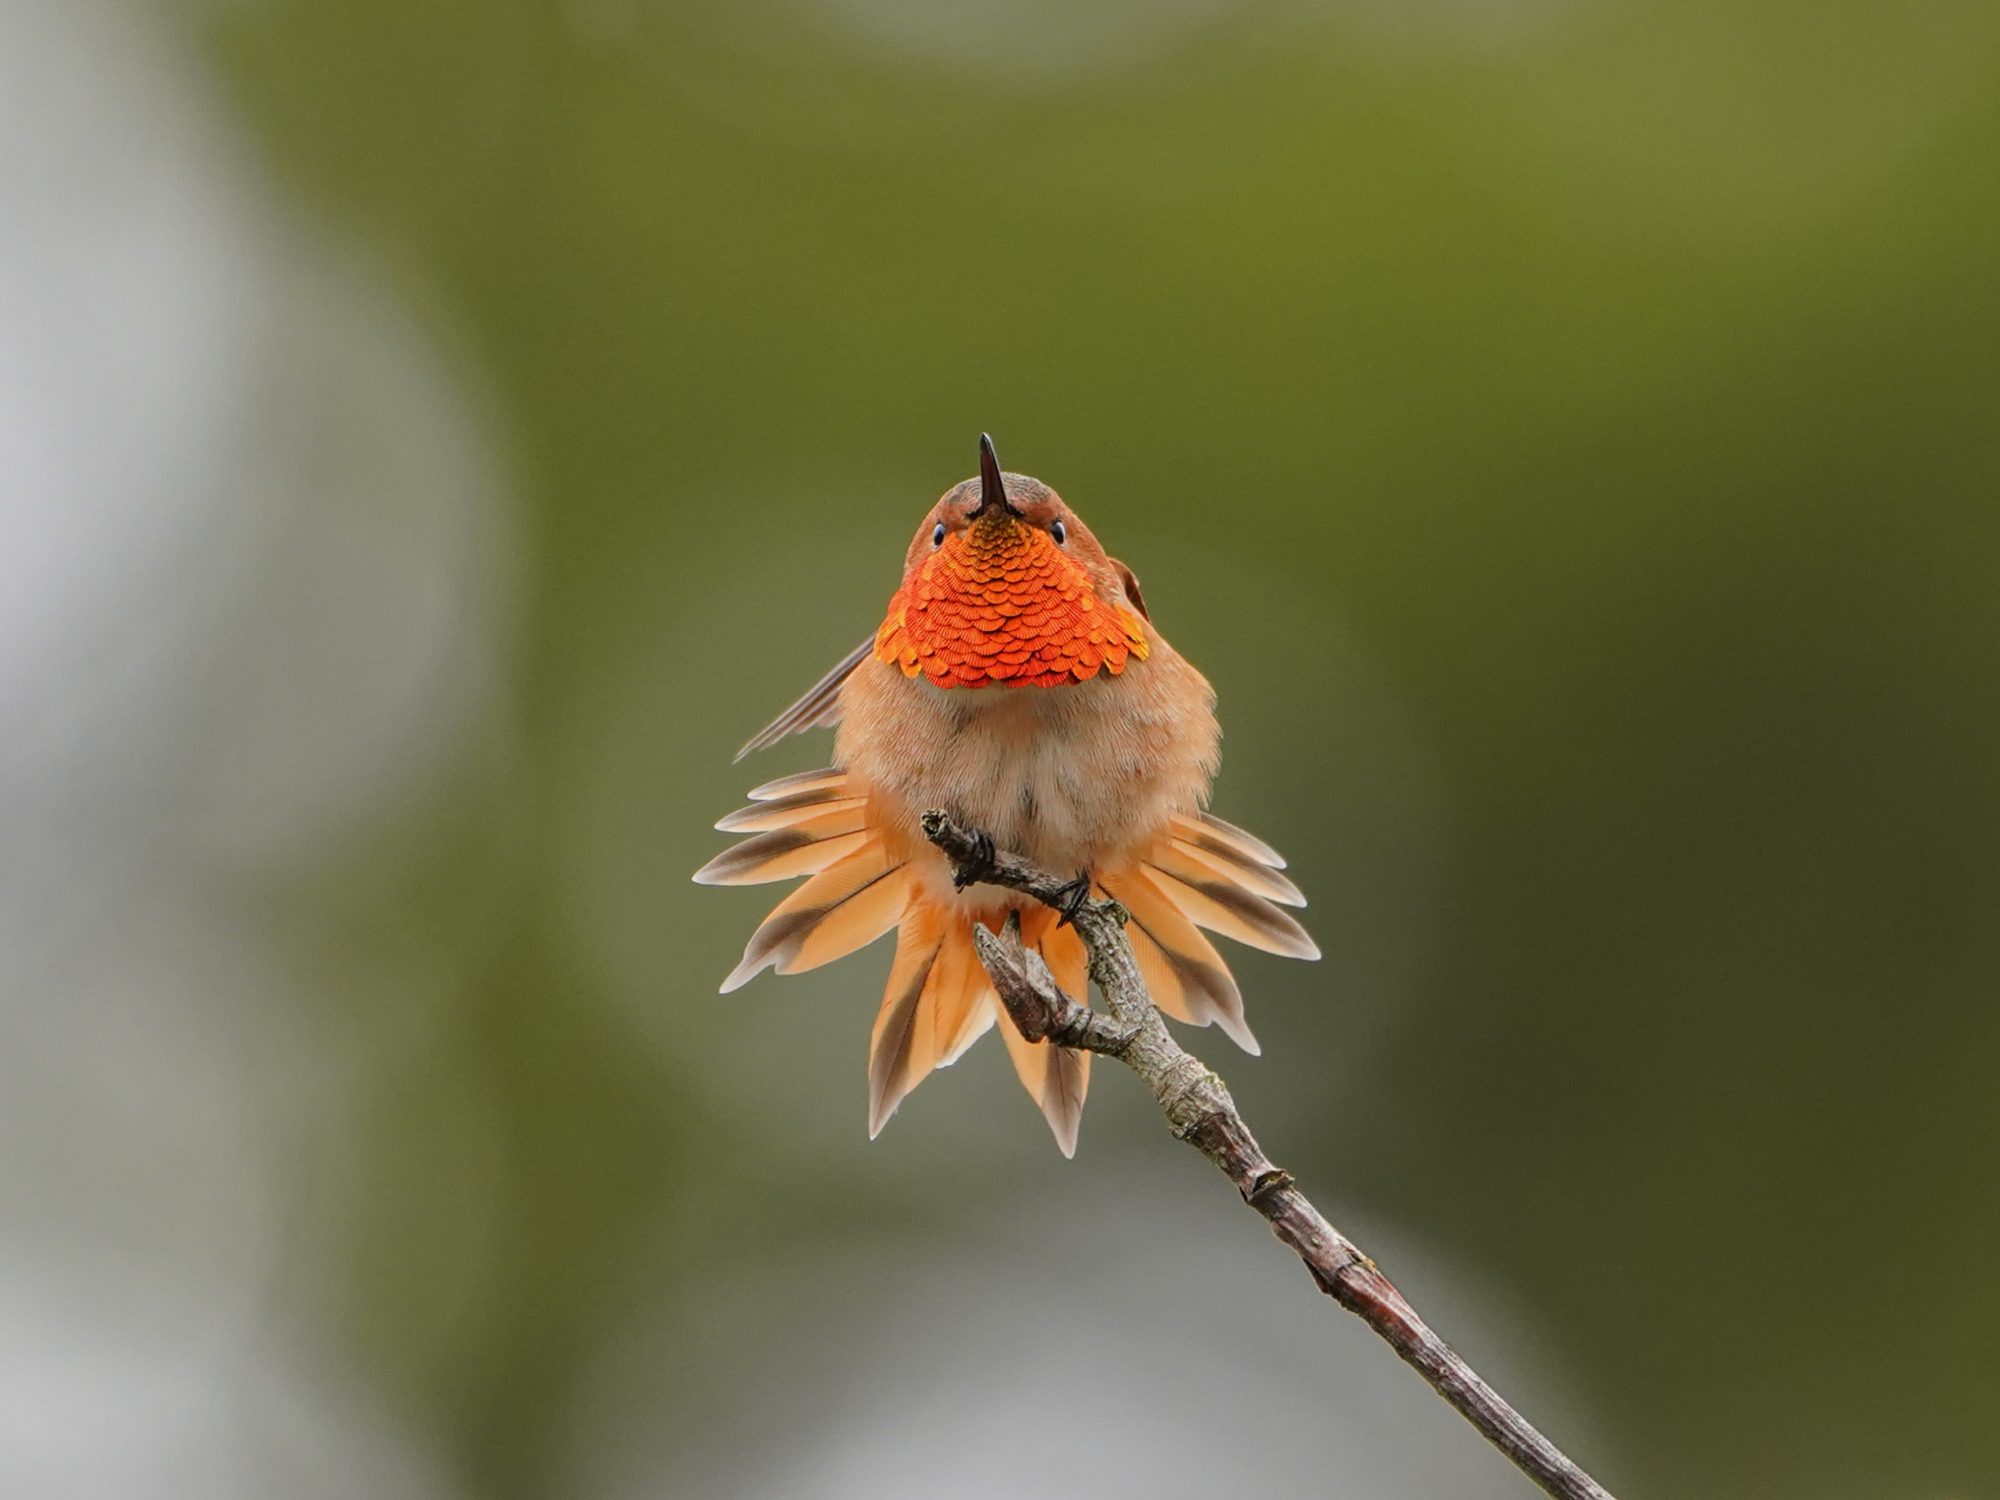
435 434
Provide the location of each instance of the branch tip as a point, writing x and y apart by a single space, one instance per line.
1199 1110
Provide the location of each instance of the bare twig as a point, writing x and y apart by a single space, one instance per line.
1199 1109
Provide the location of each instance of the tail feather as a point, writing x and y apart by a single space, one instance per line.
1222 906
1069 1068
846 906
938 1002
1163 984
805 848
787 812
1056 1078
1178 964
966 1003
1208 828
855 922
1202 872
1186 860
799 782
890 1046
980 1016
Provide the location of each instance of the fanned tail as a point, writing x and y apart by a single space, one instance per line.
812 825
1056 1078
939 1001
1207 873
1201 872
1184 974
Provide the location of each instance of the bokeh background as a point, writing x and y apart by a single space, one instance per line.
434 434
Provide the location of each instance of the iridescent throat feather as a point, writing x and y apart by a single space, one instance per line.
1001 602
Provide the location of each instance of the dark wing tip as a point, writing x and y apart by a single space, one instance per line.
1131 581
817 709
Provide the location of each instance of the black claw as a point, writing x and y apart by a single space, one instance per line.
1075 896
979 866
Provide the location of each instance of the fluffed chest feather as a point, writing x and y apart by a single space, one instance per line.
1075 777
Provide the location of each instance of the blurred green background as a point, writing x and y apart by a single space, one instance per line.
438 433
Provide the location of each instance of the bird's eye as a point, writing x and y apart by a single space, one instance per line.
1059 531
937 535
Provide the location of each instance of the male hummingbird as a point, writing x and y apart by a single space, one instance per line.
1019 683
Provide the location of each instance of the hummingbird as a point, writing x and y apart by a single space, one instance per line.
1018 682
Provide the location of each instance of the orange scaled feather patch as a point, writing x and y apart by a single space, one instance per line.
1001 602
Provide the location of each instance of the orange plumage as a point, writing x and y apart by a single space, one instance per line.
1018 682
1004 603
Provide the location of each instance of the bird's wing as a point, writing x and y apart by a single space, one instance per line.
1131 581
818 709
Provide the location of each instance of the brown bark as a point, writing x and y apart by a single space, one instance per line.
1200 1111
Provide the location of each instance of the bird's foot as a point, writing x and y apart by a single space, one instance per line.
1075 895
978 865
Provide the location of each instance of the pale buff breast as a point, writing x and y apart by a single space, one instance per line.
1083 776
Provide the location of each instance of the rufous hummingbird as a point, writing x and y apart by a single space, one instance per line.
1017 682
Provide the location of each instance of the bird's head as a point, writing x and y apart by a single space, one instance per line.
1004 584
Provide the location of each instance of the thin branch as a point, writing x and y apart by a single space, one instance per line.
1199 1109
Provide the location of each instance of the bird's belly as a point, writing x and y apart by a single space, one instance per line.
1036 780
1073 777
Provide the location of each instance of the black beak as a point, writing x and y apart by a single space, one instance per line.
992 490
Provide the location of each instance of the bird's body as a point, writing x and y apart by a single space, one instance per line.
1082 777
1018 684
